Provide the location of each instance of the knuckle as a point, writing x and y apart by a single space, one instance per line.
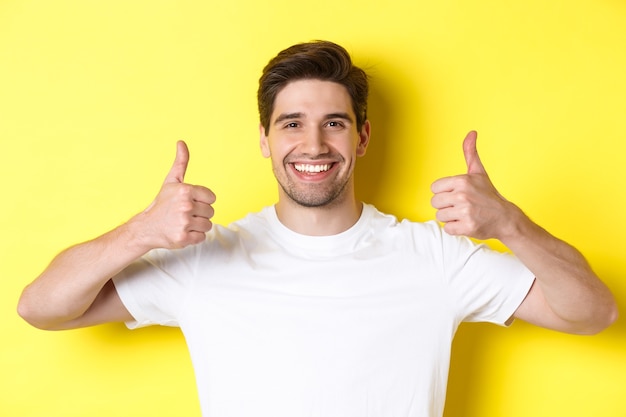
471 225
184 190
185 206
466 211
179 238
462 184
464 198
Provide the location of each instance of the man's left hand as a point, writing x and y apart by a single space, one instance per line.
469 204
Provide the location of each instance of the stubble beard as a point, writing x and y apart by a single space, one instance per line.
313 195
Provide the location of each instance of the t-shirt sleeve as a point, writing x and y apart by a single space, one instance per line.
486 285
154 287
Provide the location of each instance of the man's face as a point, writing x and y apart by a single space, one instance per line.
313 142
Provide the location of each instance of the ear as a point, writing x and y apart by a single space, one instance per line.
264 143
364 139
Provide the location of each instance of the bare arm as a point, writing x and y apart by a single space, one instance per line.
76 290
567 295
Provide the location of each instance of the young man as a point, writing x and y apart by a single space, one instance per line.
320 305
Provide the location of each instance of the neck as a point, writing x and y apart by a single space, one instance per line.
319 221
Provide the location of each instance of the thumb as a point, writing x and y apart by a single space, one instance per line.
177 172
474 165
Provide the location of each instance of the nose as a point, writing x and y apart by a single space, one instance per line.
315 142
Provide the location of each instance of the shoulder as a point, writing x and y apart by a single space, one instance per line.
388 222
424 239
251 224
252 227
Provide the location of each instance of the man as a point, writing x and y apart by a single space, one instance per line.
320 305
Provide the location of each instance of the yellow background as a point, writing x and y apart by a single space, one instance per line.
94 94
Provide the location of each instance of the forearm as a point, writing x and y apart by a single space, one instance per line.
74 283
567 295
73 280
570 288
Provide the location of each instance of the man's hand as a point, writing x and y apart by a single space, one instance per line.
567 295
469 204
180 214
76 290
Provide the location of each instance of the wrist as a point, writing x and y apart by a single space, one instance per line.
134 234
519 227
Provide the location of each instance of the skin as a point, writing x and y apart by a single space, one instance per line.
313 126
567 295
76 290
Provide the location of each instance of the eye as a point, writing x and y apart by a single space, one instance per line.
291 125
334 123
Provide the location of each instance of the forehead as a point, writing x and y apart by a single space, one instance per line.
312 97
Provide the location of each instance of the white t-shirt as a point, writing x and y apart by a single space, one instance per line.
357 324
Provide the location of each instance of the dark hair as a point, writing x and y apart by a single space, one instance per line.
320 60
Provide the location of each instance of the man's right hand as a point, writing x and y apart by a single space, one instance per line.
76 290
180 215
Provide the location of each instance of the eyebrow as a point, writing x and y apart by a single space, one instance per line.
287 116
298 115
344 116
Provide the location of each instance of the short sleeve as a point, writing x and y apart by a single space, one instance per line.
486 285
154 288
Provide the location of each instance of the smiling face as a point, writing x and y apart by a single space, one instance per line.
313 142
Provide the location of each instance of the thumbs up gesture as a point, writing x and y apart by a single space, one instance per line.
180 215
469 204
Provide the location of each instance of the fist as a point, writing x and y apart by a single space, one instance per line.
469 204
180 215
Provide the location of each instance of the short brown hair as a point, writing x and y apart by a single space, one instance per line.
322 60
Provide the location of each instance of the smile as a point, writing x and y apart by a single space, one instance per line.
312 169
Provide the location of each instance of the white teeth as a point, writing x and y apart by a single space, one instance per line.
312 169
